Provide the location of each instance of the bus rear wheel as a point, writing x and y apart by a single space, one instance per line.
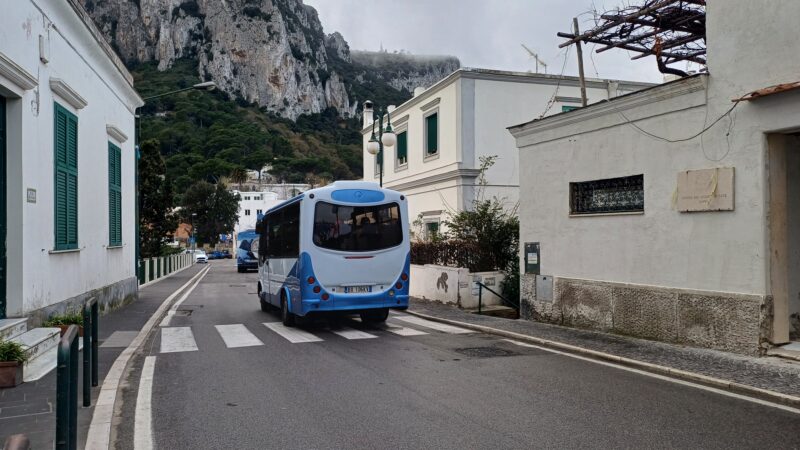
286 316
375 316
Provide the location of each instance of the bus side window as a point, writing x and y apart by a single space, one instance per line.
263 242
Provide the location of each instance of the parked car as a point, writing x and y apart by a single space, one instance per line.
226 254
216 254
200 257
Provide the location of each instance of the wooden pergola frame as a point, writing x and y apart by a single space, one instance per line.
671 30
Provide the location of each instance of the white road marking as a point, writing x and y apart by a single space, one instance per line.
99 435
237 335
174 308
433 325
403 331
177 339
293 335
349 333
660 377
143 420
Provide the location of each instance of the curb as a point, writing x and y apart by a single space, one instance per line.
719 383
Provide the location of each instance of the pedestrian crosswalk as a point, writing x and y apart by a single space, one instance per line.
181 339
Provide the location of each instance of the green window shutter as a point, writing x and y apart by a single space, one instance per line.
432 134
114 195
402 148
66 179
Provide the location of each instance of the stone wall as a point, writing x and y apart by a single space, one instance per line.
108 297
725 321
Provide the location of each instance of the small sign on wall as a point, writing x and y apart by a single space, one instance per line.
31 195
705 190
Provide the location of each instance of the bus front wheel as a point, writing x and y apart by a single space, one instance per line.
375 316
286 316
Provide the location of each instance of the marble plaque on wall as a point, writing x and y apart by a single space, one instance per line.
705 190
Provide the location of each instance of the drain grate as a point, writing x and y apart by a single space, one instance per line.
484 352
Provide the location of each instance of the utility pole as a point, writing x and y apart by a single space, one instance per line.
580 61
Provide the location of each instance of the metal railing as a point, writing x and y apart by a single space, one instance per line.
90 349
67 375
151 269
67 391
481 287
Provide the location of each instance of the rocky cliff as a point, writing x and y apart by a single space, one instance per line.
273 53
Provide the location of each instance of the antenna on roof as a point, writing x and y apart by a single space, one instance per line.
535 56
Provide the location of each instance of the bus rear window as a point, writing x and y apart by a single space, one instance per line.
357 228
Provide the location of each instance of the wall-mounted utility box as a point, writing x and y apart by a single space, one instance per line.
532 259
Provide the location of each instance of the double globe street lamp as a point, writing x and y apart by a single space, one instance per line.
385 137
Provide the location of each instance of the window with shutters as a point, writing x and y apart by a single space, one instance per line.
401 160
66 179
114 196
431 134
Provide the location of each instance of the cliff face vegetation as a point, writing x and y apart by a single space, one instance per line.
288 95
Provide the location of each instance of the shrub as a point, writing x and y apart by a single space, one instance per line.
70 318
12 351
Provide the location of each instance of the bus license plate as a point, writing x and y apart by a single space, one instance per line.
357 289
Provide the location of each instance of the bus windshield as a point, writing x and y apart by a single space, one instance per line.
357 228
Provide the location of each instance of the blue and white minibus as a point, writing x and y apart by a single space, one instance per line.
341 248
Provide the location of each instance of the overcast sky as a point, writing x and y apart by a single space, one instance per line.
481 33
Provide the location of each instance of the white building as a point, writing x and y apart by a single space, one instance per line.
444 131
251 206
706 247
66 135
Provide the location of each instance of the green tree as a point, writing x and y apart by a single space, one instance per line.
156 220
215 207
494 229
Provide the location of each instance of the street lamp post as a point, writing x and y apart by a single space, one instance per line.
193 241
204 86
386 137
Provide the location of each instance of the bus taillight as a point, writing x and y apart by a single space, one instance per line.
316 289
398 286
311 280
404 277
325 296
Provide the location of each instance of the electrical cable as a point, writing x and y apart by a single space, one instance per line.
645 132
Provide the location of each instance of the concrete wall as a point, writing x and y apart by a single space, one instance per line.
723 255
452 285
38 277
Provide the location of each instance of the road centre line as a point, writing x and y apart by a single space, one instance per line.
143 420
99 435
237 335
660 377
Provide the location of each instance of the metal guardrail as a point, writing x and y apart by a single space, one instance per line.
90 349
151 269
67 391
481 287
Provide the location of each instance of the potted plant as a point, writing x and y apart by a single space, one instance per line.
12 359
63 321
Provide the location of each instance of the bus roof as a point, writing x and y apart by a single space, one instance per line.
335 186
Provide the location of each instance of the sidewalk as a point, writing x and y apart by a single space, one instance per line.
30 407
742 374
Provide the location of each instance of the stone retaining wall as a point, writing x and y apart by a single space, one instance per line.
725 321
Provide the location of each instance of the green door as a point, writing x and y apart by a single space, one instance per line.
2 208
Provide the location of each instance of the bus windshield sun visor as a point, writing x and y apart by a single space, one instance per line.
350 228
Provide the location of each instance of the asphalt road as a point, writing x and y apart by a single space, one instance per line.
435 390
